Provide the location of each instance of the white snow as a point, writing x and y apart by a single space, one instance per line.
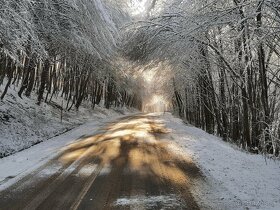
151 201
31 134
23 123
16 166
234 178
87 170
105 170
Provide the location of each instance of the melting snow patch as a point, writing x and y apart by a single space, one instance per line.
50 171
87 170
105 171
151 201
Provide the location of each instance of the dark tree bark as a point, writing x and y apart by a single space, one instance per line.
10 71
44 79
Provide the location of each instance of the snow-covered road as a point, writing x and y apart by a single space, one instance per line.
14 167
127 163
138 162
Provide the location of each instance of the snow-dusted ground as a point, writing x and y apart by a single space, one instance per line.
18 165
23 123
235 179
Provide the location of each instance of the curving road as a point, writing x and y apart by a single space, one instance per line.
127 164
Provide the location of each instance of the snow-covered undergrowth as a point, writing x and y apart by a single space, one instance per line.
23 123
20 164
234 179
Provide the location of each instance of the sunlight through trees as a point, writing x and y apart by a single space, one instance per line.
214 63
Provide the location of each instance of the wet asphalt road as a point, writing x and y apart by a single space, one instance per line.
127 164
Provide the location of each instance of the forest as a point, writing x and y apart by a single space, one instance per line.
214 63
63 48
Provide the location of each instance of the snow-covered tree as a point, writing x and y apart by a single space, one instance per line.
225 58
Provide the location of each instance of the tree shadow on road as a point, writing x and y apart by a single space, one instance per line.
136 149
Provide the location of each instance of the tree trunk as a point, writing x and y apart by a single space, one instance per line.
44 78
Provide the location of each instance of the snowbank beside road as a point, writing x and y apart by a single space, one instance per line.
16 166
235 179
23 123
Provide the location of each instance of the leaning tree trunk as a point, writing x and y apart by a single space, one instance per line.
32 66
44 78
82 91
263 80
10 71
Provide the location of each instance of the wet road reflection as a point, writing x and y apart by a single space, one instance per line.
127 164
